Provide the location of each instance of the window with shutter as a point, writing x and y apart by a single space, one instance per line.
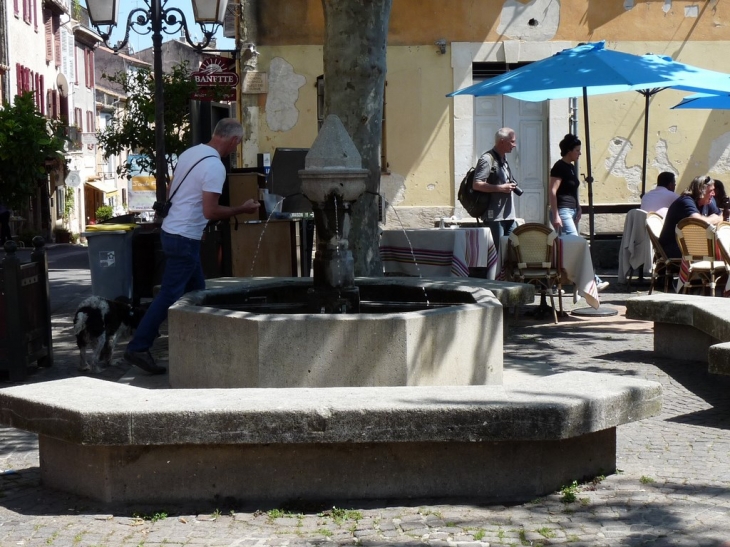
91 68
90 122
34 14
77 119
16 7
48 24
67 46
57 39
18 78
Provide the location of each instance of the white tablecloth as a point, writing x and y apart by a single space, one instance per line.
438 252
573 257
636 249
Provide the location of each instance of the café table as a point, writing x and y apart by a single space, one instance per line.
435 252
573 259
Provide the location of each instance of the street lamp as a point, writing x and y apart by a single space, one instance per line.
158 18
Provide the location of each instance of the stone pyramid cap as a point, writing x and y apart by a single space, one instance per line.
333 148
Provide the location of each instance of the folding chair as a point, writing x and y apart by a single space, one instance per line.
532 245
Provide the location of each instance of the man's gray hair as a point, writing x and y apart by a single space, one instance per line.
227 128
502 134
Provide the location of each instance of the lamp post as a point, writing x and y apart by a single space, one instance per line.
158 18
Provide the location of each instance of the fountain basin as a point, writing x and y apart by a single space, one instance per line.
455 339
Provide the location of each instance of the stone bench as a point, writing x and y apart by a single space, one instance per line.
498 444
686 326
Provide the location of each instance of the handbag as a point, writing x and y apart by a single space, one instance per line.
163 209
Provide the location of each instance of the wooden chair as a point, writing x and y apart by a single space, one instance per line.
696 239
532 245
662 265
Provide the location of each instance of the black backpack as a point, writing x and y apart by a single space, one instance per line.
474 202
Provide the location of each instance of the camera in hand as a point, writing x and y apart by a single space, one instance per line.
518 191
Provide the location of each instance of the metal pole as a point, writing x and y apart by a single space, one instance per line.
589 176
160 161
646 94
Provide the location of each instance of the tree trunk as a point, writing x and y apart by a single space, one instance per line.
356 35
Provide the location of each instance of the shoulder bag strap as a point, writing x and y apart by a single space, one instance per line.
186 175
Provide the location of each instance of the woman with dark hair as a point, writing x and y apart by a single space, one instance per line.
689 204
565 209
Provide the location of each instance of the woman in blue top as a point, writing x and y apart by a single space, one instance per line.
564 183
689 204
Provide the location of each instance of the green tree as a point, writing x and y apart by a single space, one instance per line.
134 129
28 141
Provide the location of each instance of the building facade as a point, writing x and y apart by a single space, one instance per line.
430 140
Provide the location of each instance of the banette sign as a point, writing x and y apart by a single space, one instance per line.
216 79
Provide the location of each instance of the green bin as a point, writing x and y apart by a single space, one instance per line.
110 259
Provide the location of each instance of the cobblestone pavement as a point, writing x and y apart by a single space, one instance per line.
672 487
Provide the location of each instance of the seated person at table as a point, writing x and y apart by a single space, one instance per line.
689 204
660 198
718 202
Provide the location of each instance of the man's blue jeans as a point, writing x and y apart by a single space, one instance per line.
183 273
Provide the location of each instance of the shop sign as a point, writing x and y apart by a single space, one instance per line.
216 80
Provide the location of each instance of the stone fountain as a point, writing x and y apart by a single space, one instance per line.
336 330
446 439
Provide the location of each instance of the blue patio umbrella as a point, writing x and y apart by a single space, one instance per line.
591 69
705 101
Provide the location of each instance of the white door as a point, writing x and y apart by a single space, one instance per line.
529 160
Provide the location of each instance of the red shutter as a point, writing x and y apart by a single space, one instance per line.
90 122
48 23
18 79
16 7
42 95
34 15
91 68
57 39
37 89
86 67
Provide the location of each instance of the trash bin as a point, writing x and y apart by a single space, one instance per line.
110 259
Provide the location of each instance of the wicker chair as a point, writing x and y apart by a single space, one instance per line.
663 265
696 239
532 245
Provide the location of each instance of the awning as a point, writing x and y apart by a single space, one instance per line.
106 186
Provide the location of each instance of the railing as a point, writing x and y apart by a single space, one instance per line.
25 312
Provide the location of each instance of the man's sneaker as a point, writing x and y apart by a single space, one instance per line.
602 285
143 360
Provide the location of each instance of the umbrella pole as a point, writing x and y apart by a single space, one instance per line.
589 176
646 140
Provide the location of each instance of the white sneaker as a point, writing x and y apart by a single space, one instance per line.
602 285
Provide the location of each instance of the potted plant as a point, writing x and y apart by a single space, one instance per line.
61 235
105 212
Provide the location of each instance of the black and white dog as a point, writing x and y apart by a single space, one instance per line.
99 322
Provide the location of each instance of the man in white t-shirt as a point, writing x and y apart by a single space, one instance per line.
660 198
194 192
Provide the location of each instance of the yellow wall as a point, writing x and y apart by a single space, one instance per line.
419 118
421 22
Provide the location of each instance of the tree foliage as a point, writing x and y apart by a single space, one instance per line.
28 141
134 128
